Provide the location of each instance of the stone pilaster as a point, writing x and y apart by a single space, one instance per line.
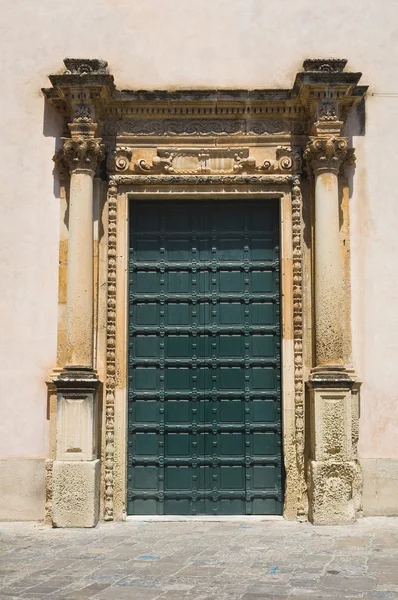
333 470
76 470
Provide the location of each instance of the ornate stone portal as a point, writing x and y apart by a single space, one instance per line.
193 144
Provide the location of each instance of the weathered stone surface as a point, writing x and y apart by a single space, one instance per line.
76 493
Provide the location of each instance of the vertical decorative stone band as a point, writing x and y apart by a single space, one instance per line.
298 345
110 351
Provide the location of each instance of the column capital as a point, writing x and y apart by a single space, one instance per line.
328 154
82 151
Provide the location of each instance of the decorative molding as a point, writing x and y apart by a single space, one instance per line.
328 153
269 180
204 127
202 179
298 345
110 351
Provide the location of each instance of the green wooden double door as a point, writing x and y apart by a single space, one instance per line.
204 376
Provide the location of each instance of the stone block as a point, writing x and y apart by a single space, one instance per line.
333 490
76 490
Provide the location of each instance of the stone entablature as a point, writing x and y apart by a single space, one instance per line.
222 142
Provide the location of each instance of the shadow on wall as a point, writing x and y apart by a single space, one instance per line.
53 126
354 126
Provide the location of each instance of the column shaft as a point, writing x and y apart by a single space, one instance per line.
80 297
328 273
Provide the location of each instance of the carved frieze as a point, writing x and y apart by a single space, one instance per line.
187 161
204 127
328 153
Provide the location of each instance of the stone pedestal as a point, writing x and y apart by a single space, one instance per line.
333 472
76 468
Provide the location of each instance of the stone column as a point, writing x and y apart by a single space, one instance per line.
76 470
333 471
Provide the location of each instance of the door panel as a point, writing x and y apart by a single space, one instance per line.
204 359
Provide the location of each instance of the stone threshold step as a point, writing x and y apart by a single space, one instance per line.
205 518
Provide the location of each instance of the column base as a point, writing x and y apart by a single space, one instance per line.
76 496
333 492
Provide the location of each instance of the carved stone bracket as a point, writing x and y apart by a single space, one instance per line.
328 153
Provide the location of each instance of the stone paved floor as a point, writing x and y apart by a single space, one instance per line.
243 560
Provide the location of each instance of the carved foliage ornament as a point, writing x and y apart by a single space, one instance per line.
80 153
328 153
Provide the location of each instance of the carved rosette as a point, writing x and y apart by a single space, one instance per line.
110 352
328 154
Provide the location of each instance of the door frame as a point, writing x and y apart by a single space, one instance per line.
121 189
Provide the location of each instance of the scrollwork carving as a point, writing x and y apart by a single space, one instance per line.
286 160
159 164
119 159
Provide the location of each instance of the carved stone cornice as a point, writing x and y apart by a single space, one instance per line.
328 154
322 91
